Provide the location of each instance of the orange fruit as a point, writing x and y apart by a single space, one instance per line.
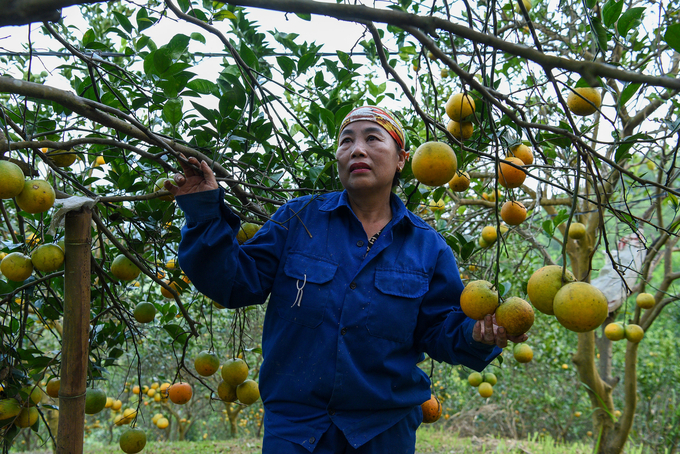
226 392
509 176
515 315
460 181
246 232
27 417
544 284
580 307
460 130
31 395
95 401
16 266
489 234
523 353
62 158
485 390
36 197
475 379
576 231
135 389
248 392
434 163
584 101
109 402
156 417
11 180
175 286
144 312
206 363
123 268
522 152
615 331
47 258
132 441
52 388
99 161
160 184
479 299
459 106
492 196
116 405
162 423
490 378
645 300
513 212
234 371
634 333
9 408
432 410
180 393
483 243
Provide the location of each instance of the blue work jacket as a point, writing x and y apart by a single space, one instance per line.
344 329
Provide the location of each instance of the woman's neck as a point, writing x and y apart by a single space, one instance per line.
374 212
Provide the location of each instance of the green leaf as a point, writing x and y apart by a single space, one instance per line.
223 14
629 19
198 37
202 86
88 37
599 33
143 20
628 93
672 36
611 12
287 66
172 111
591 3
549 227
123 21
178 45
302 16
248 56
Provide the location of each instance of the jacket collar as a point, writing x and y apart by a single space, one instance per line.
335 200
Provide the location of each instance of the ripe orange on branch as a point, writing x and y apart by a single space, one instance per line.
543 286
509 176
36 197
434 163
180 393
479 299
515 315
123 268
460 182
460 130
522 152
580 307
16 266
645 300
584 101
459 106
47 258
206 363
432 410
513 212
11 180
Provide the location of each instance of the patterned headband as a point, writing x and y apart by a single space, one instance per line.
383 117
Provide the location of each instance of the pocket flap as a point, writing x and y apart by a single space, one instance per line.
404 283
316 270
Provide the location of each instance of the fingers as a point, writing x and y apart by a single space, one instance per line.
208 175
171 188
501 337
477 332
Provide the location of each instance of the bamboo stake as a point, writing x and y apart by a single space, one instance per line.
76 330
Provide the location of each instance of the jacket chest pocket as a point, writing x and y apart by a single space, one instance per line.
304 289
393 314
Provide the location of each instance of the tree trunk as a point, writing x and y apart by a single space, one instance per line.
74 357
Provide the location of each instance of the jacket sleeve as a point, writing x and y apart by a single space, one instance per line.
232 275
444 332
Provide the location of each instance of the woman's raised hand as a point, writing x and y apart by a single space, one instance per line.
192 180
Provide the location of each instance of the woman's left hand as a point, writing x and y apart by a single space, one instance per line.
488 332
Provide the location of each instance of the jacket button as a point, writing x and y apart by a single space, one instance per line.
312 440
360 243
353 285
343 332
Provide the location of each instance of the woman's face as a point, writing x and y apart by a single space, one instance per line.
368 157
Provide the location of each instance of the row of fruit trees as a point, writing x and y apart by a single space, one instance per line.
543 139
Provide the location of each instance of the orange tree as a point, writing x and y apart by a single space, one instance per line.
129 93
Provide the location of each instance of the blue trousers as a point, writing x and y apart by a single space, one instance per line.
398 439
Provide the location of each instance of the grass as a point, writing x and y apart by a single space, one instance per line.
430 440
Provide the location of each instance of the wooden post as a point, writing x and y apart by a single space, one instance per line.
76 330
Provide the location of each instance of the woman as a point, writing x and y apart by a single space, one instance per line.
359 289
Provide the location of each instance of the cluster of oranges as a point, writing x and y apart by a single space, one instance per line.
22 409
630 331
484 382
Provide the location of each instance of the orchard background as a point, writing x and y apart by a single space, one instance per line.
265 112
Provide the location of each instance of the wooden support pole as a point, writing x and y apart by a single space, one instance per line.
76 331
